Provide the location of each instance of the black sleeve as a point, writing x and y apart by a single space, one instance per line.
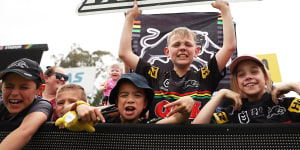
293 107
211 74
44 106
151 73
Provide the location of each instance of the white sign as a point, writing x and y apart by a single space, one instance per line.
84 76
108 6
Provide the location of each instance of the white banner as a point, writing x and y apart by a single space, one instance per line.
88 7
84 76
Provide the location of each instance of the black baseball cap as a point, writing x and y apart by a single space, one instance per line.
139 81
25 67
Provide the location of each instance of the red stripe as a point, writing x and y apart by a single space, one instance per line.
137 22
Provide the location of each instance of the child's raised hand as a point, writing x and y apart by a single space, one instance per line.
235 97
134 12
105 86
280 89
183 105
220 4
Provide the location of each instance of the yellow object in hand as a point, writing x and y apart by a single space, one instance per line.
70 121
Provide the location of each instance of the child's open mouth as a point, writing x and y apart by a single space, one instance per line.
182 56
250 84
129 110
15 102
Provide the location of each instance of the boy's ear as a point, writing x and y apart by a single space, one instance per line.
40 89
197 50
167 51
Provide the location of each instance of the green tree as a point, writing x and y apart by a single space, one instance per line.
98 99
78 57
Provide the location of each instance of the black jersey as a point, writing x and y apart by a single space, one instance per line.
168 87
261 111
109 119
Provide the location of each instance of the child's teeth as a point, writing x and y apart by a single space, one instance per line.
250 84
14 101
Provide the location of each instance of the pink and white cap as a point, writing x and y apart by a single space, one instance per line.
243 57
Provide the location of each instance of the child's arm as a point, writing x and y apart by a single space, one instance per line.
281 89
88 113
126 68
125 50
17 139
204 116
181 111
229 41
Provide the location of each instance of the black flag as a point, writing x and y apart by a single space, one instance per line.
150 33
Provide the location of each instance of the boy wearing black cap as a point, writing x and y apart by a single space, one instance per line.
21 82
133 97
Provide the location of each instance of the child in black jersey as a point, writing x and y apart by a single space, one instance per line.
251 93
181 83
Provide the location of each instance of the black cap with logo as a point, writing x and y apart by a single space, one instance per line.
25 67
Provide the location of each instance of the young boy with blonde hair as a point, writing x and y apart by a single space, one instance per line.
68 94
181 83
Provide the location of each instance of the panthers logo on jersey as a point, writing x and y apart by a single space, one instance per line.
153 72
221 117
205 72
295 106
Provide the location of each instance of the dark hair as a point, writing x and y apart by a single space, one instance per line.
50 70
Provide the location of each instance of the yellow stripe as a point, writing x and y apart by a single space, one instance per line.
137 26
